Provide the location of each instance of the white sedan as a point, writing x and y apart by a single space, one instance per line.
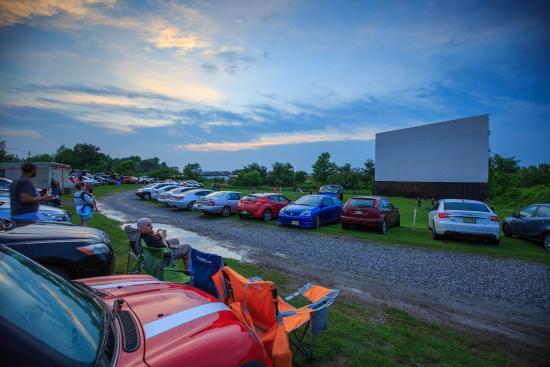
464 218
187 199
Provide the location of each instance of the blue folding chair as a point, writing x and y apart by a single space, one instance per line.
203 267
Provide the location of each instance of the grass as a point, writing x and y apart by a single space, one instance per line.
357 335
421 236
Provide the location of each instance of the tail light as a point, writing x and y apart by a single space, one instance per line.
211 203
495 218
179 197
442 215
241 201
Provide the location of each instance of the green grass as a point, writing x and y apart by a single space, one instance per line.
357 335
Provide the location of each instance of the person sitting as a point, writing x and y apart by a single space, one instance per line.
158 240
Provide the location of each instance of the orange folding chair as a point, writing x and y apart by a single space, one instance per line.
271 317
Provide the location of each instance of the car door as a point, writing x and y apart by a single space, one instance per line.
392 213
384 210
325 210
336 209
519 224
535 225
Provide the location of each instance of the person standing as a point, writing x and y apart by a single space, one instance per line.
84 203
55 189
24 201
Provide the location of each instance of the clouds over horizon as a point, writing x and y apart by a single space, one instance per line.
214 77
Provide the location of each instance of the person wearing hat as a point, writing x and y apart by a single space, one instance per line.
158 239
23 197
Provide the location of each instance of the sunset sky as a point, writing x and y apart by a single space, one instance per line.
231 82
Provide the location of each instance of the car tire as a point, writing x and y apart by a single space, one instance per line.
507 231
435 236
383 227
546 241
226 211
267 216
190 205
495 241
146 196
242 216
398 221
316 222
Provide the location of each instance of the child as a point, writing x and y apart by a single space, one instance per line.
84 203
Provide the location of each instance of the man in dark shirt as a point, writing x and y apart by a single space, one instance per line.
158 240
24 201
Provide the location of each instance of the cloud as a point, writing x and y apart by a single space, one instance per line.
280 139
172 37
211 68
18 11
27 133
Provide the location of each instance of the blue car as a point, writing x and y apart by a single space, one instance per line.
310 211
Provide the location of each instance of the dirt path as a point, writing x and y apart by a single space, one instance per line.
501 304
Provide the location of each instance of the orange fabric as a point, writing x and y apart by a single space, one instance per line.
293 322
277 346
316 292
241 315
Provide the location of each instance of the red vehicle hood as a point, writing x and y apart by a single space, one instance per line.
179 324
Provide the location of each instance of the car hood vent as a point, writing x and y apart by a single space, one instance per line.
129 331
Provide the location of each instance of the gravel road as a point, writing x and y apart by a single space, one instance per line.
507 296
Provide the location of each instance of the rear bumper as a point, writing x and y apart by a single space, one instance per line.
208 209
367 222
248 211
468 230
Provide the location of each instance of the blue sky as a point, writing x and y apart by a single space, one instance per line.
228 83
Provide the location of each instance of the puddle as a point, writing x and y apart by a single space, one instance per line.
197 241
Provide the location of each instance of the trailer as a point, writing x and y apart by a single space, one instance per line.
45 171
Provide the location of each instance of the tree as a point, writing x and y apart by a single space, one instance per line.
251 178
323 168
281 174
5 157
191 171
300 177
368 174
346 176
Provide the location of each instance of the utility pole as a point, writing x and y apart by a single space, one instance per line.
29 157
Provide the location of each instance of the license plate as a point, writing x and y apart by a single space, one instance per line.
295 223
244 212
469 220
358 212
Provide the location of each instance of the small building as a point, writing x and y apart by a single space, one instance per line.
45 171
210 175
447 159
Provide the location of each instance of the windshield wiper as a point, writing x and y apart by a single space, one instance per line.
105 346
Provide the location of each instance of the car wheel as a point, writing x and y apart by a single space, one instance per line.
495 241
507 231
546 241
267 215
226 211
146 196
242 216
435 236
190 205
398 221
316 222
384 227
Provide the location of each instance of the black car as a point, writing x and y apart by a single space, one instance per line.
69 250
532 222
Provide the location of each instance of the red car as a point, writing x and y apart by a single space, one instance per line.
370 211
129 179
127 320
265 206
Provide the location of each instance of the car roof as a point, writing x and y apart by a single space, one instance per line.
368 197
462 201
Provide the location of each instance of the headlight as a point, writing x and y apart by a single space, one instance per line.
305 213
98 248
282 211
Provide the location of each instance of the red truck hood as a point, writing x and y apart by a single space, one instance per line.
179 324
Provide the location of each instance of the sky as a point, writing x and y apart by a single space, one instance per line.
228 83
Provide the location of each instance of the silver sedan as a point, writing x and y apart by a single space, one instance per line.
219 202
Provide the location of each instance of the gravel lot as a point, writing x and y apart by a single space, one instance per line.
519 285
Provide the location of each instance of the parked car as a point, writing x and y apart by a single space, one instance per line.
69 250
121 320
265 206
155 193
55 214
332 190
532 222
145 180
191 183
128 179
145 192
370 211
219 202
167 197
5 184
464 218
310 211
186 199
103 179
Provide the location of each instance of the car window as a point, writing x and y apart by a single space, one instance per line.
284 199
234 196
465 206
361 203
309 200
544 211
528 212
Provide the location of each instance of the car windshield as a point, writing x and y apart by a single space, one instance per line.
251 197
309 200
333 189
215 195
49 311
466 206
362 203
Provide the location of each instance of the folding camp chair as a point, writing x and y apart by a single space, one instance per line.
155 261
271 317
134 249
203 267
